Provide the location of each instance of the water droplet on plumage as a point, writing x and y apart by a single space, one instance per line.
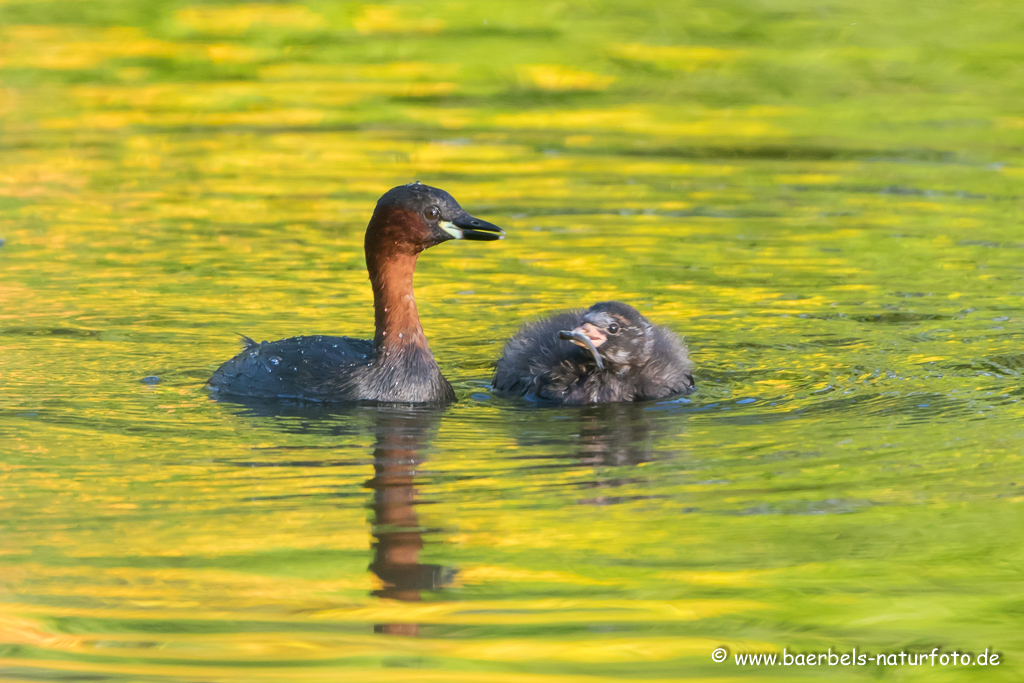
275 360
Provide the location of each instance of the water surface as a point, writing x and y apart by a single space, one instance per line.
824 198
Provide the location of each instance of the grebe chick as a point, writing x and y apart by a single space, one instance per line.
606 354
396 366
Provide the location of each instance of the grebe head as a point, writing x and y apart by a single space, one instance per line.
615 333
414 217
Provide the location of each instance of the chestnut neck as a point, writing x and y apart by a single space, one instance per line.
396 321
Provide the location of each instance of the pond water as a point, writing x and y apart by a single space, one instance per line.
826 199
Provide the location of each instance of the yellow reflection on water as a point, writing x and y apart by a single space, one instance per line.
395 19
680 57
240 18
829 215
556 77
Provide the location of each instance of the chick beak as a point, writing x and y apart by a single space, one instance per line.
466 227
589 337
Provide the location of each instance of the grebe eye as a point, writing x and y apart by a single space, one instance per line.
433 213
613 328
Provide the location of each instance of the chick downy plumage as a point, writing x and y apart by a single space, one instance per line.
608 353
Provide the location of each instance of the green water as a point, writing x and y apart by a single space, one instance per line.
826 199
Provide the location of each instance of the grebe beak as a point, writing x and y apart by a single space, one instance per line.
465 227
579 338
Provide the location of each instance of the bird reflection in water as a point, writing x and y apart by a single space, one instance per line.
402 437
610 438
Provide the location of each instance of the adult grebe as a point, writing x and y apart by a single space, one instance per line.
396 366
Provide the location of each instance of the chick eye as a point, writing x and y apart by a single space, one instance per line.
433 213
613 328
